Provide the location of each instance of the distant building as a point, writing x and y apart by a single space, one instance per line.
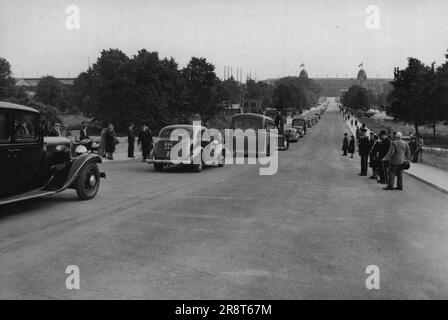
333 87
30 84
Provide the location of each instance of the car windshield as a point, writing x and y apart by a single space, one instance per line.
245 123
166 133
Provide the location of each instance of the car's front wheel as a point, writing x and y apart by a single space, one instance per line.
88 182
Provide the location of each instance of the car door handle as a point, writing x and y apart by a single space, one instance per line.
14 150
13 153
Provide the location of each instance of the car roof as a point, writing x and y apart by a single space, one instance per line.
181 126
254 115
9 105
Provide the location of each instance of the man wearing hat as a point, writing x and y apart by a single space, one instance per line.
398 152
364 150
383 166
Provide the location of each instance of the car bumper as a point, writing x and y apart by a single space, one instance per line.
168 161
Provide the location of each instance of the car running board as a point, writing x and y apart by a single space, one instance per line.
26 196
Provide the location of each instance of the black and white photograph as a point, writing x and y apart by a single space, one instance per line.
224 151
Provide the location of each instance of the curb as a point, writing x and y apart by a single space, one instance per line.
443 190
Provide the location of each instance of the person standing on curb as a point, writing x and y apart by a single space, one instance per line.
418 149
384 146
398 153
373 156
364 150
351 146
345 144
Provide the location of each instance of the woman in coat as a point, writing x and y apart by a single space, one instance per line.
345 144
351 146
111 141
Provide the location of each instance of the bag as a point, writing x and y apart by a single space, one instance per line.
406 165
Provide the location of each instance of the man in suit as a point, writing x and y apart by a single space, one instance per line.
398 152
131 140
383 166
364 150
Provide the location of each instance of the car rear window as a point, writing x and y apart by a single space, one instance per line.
298 122
166 133
247 123
5 135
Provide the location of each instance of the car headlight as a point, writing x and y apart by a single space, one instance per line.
61 147
80 150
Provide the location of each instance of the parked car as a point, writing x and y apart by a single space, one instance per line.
299 123
256 122
160 155
32 166
293 134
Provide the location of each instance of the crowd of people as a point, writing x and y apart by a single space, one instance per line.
108 140
386 153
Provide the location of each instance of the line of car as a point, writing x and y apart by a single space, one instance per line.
32 165
161 154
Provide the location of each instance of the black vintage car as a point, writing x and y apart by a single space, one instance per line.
32 166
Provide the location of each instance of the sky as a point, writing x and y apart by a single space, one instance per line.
270 38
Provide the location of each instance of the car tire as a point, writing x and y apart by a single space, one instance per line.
198 167
158 167
223 159
87 183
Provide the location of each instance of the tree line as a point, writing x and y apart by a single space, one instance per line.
145 88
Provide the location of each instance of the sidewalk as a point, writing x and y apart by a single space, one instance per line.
432 176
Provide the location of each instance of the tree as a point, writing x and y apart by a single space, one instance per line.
357 98
410 97
201 86
141 89
7 82
52 92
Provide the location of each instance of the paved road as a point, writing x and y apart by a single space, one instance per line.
308 232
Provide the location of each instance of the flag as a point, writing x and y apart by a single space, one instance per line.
302 65
361 65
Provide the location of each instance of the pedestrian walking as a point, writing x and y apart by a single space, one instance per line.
111 141
131 140
356 122
351 122
358 133
345 144
398 153
145 140
363 149
351 146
